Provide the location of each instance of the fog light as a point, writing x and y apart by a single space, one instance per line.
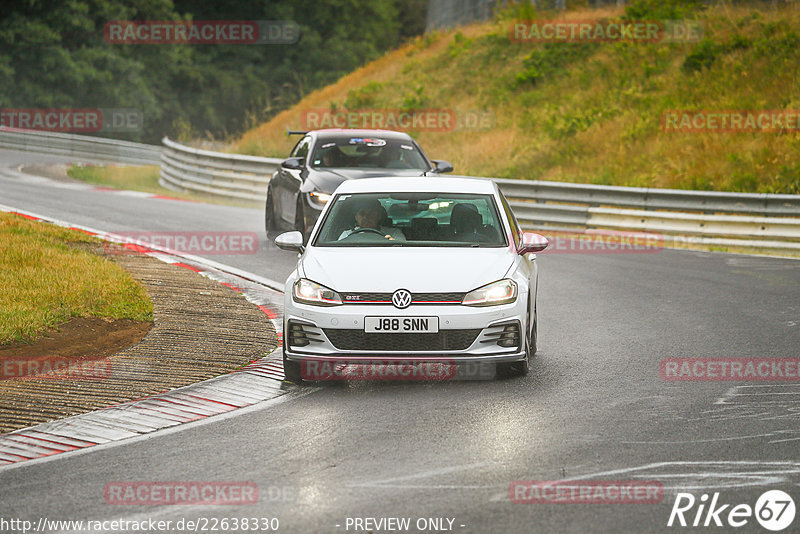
510 336
299 336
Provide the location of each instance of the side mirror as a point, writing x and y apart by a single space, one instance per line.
532 242
293 163
290 241
442 166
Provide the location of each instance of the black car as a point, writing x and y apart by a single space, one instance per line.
323 159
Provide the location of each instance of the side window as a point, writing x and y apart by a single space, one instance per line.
300 150
516 233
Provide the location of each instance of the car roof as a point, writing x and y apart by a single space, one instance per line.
427 184
335 132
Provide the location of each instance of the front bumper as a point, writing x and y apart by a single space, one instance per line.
466 334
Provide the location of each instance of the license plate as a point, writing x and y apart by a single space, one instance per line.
405 325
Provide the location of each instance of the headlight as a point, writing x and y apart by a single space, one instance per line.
319 197
309 292
494 294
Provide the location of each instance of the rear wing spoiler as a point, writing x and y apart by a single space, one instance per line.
294 132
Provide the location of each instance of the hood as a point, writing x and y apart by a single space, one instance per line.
418 269
329 179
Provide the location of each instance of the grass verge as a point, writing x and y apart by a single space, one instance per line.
589 112
145 179
47 278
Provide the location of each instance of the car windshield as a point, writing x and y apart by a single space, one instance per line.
368 152
412 220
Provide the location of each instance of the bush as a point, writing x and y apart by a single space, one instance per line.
663 9
363 97
550 59
701 57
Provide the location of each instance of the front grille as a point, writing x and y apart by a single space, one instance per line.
345 339
416 298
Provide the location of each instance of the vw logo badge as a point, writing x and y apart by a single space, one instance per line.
401 298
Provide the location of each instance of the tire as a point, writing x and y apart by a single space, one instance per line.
269 214
514 369
291 372
523 367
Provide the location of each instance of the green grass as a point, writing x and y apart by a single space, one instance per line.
143 178
591 112
46 279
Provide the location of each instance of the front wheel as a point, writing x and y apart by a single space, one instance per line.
523 367
291 371
512 369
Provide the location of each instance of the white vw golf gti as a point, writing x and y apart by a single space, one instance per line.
412 269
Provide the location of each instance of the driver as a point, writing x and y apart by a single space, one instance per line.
332 157
368 219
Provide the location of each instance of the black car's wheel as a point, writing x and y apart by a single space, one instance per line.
269 213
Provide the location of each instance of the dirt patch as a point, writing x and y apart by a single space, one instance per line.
82 337
70 346
54 172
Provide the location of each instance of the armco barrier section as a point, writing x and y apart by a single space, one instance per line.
652 199
80 147
750 220
231 176
708 217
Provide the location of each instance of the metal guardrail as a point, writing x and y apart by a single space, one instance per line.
80 147
215 173
708 217
772 233
645 198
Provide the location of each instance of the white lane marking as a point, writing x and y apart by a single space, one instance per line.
725 396
700 475
389 482
129 193
708 440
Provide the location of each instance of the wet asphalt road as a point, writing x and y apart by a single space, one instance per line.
595 406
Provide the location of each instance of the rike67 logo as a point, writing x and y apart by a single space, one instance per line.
774 510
